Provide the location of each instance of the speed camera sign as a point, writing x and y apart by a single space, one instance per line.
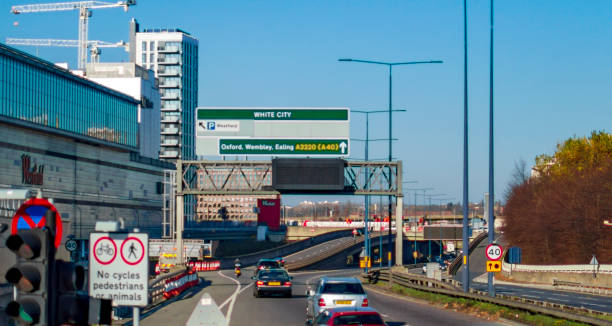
494 251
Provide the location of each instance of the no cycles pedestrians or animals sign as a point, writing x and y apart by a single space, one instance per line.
119 269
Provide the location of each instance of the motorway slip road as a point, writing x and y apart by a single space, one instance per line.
239 306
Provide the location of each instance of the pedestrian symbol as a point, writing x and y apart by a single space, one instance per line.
132 250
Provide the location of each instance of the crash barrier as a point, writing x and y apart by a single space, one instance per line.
253 258
451 288
204 265
157 286
584 268
179 283
456 263
350 242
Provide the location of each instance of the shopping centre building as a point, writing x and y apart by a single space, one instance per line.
78 142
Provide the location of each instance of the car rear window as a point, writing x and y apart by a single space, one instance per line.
269 264
342 288
372 319
273 275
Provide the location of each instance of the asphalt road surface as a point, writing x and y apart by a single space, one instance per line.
582 300
237 303
317 250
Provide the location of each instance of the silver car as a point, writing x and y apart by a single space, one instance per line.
332 292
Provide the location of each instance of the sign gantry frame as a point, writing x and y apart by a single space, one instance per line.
255 178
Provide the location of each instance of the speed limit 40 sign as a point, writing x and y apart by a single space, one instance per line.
494 251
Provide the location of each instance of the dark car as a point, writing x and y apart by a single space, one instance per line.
266 264
363 316
272 281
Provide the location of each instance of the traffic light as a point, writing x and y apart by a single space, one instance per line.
35 255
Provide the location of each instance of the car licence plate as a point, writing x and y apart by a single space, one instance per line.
343 301
273 283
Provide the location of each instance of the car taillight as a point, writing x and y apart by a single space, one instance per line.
364 303
287 283
260 283
321 302
260 267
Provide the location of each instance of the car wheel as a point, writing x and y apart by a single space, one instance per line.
256 294
288 295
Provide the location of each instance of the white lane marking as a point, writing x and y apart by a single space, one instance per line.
246 287
232 298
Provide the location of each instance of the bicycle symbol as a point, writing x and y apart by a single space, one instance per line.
105 249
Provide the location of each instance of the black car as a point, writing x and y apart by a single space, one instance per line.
272 281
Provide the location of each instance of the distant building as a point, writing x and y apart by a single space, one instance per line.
173 55
141 84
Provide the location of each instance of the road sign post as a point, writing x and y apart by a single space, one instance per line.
119 268
494 253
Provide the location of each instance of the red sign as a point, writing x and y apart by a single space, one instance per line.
269 212
31 214
31 174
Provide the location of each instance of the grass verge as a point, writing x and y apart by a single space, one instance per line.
483 310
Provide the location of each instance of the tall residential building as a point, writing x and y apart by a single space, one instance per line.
173 55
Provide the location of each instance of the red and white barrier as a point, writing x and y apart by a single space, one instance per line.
206 265
179 283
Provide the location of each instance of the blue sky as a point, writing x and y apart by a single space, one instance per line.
552 70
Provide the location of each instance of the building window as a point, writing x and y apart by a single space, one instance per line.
152 58
144 45
151 46
144 57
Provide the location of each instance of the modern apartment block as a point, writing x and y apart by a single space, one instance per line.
173 55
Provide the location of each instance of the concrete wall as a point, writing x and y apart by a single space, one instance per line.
295 233
586 279
252 259
88 183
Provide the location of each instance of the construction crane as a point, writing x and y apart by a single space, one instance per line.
94 46
84 8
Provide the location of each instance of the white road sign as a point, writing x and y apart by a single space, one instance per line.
291 132
494 251
119 268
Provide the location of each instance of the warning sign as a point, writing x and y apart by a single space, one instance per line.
118 270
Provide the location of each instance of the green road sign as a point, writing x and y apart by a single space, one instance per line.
300 147
272 114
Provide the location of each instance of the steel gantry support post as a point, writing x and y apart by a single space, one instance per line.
180 210
399 230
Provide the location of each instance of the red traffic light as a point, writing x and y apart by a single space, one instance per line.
27 243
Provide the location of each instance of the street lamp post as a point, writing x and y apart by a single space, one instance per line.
390 65
465 237
416 223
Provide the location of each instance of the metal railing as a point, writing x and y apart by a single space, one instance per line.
456 264
452 288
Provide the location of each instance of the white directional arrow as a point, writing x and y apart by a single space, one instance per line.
343 146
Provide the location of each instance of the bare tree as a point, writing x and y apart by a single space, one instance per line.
520 175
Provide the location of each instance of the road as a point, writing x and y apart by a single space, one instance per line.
317 250
583 300
241 308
